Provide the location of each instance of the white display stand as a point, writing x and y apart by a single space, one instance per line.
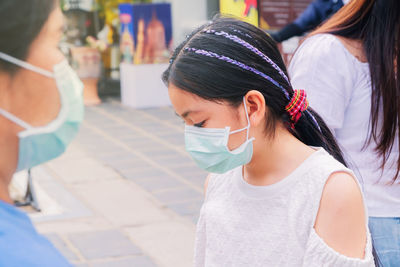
142 87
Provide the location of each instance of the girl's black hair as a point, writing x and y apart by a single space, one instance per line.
215 79
20 23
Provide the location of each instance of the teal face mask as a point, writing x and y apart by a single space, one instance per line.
41 144
209 147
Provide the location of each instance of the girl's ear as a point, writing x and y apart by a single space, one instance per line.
255 103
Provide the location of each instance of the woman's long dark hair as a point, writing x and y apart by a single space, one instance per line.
376 23
241 48
20 23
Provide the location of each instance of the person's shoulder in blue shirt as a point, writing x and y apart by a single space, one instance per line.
21 245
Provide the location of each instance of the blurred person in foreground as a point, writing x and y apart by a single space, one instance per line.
315 13
349 68
40 112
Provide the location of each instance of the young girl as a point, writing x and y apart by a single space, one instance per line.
279 193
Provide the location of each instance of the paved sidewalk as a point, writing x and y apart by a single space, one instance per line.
125 193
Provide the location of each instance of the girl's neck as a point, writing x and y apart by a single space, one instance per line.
355 47
274 160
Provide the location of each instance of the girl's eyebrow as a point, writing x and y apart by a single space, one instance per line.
186 113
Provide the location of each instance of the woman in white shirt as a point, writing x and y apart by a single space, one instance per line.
349 69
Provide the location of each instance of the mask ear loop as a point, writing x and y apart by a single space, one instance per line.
26 65
248 119
15 119
248 122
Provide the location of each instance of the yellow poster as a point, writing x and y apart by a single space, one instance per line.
243 9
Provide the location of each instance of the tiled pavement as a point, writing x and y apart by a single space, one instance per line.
147 148
140 190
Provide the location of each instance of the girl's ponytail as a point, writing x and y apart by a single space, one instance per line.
318 135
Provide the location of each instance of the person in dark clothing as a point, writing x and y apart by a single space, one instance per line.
315 13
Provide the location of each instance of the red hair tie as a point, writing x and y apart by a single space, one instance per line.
296 106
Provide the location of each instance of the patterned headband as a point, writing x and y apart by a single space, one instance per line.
245 44
239 64
296 103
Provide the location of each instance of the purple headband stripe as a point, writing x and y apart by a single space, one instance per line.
242 42
247 35
239 64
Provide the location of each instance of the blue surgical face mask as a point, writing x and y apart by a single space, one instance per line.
40 144
209 147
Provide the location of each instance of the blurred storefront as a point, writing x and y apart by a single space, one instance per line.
121 47
276 14
269 15
247 10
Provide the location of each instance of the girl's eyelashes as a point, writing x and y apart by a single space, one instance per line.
200 124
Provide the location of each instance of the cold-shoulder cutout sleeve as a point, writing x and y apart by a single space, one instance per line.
318 253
